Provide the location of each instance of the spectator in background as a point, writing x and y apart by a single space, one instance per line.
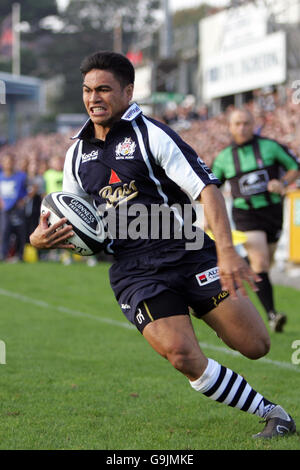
36 188
42 168
258 170
12 201
54 175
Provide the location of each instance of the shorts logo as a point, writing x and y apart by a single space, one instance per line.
221 296
139 316
211 275
125 149
125 306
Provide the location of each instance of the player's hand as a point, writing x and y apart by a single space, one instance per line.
276 186
56 236
234 271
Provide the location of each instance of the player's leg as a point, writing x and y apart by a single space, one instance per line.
239 325
260 254
165 323
174 338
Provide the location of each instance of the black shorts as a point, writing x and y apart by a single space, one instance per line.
267 219
167 284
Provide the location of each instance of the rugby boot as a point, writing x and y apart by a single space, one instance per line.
277 321
278 424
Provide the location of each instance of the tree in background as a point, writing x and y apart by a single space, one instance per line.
55 42
95 25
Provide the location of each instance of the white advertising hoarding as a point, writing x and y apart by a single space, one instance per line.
259 64
232 28
143 83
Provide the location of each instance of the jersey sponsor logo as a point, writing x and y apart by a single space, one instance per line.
115 197
254 183
125 150
208 276
87 157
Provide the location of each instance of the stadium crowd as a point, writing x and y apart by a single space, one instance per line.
41 157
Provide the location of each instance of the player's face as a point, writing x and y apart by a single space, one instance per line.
241 127
104 98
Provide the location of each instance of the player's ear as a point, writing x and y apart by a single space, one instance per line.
129 91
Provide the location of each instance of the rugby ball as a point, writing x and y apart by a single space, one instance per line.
89 231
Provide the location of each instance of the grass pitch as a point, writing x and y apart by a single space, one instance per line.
78 376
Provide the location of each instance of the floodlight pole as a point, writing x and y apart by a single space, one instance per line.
118 33
16 58
167 33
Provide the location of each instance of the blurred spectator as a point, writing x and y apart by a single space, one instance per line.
42 168
36 189
12 200
54 175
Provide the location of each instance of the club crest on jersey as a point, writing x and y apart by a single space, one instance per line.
125 149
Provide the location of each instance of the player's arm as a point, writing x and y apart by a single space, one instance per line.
233 269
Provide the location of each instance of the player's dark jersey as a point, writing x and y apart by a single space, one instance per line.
142 166
249 167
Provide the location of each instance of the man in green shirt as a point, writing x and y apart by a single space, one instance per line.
54 175
258 170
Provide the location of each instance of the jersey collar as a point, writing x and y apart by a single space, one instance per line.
130 114
249 142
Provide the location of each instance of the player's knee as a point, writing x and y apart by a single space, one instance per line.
181 357
258 348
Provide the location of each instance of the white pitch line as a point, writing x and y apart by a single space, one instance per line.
60 308
127 325
283 365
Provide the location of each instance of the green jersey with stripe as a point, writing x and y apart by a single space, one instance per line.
250 166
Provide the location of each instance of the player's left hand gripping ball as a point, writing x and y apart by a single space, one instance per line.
90 236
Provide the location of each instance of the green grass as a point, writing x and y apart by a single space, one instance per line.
73 380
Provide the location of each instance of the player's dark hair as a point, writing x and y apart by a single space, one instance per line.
117 64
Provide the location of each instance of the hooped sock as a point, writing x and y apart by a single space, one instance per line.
226 386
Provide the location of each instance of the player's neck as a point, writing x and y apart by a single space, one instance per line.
101 132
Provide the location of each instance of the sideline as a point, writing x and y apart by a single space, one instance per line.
129 326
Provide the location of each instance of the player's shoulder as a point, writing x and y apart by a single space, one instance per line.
73 149
160 127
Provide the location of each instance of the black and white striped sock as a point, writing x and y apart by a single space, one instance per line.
226 386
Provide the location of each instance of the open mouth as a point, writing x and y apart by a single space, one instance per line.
97 110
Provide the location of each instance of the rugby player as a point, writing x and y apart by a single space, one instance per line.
258 170
122 157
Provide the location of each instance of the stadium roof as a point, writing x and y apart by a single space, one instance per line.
16 88
22 86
